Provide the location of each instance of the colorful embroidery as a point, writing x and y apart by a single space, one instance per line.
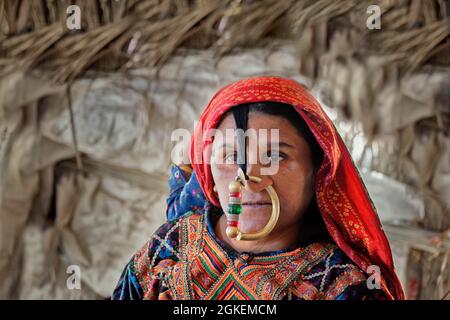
195 265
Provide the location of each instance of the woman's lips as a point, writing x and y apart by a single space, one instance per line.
256 205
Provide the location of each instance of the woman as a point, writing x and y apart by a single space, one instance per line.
327 238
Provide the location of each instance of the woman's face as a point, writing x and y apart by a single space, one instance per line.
293 181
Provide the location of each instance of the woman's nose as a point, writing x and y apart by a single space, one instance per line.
253 170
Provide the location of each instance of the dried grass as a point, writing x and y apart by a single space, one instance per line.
131 33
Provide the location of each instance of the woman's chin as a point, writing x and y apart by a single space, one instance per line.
252 220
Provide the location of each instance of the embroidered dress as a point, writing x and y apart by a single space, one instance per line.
185 260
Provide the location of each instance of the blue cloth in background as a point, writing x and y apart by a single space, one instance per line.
185 194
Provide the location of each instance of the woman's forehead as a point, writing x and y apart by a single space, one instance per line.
270 128
260 121
256 120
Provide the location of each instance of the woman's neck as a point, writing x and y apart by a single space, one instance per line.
275 241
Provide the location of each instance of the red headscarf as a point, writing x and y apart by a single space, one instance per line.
342 198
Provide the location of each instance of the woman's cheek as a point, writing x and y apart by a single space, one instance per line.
293 191
222 175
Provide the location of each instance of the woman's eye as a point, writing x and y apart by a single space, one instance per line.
231 157
276 156
272 156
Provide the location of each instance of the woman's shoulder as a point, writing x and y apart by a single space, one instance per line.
165 241
337 277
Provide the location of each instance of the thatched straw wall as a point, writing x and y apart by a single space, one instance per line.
132 33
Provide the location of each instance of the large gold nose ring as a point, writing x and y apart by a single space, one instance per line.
234 209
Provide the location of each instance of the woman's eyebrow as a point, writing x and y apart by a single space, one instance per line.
272 145
227 145
281 145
